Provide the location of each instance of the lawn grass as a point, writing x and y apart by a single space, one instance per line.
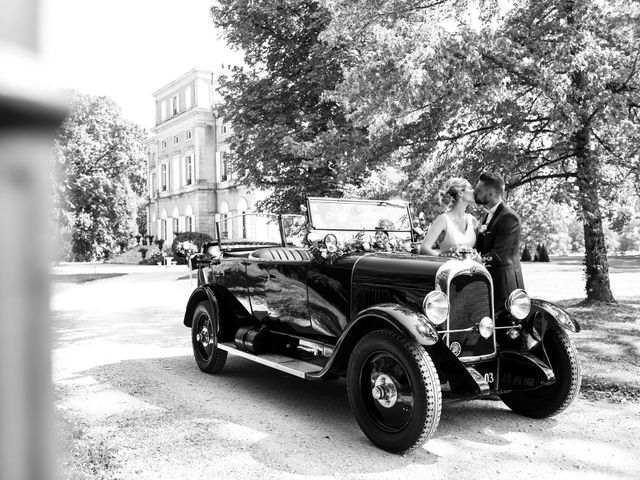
609 348
87 456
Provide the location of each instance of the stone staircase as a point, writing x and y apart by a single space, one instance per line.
132 256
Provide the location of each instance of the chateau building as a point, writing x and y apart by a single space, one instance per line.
190 182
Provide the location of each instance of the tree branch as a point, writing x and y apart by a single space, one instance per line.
465 134
540 177
601 142
621 87
546 164
526 80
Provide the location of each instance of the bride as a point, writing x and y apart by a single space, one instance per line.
455 228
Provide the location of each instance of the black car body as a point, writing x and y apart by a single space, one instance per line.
339 294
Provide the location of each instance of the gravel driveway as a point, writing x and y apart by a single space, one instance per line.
133 405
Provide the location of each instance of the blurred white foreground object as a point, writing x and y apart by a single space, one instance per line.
28 118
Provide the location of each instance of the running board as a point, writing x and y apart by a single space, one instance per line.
292 366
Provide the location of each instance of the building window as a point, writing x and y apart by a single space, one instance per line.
188 161
164 144
188 224
224 225
175 105
188 135
187 98
224 128
176 139
163 229
163 111
163 177
176 225
224 166
154 184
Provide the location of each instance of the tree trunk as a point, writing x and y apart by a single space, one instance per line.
596 263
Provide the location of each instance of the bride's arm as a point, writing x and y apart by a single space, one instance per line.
436 228
474 222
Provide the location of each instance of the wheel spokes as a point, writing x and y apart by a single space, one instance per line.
391 399
205 336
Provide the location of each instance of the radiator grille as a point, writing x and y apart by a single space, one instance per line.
470 299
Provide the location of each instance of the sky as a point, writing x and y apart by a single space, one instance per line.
127 49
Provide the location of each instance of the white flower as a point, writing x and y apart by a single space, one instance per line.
314 237
482 228
366 246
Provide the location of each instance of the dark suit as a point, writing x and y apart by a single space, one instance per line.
501 242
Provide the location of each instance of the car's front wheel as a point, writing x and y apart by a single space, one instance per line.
394 391
552 399
204 328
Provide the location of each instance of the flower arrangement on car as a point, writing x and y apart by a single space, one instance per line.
329 248
186 249
464 253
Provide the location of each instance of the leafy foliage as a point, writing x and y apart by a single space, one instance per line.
539 90
287 136
100 178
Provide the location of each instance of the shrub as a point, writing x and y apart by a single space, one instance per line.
526 254
153 259
544 255
188 242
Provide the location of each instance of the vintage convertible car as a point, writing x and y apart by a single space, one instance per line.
339 294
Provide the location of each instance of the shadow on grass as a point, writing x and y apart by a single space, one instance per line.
609 348
616 263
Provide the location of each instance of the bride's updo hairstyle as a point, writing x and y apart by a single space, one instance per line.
451 191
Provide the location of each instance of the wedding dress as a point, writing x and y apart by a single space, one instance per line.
455 238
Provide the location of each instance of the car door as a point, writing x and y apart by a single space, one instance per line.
278 292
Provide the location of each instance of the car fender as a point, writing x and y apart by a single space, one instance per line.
545 315
414 324
383 315
198 295
230 314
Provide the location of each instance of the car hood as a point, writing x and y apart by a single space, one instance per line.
405 274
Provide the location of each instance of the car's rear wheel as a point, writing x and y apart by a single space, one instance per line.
204 328
394 391
552 399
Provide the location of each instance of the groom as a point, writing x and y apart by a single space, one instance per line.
499 239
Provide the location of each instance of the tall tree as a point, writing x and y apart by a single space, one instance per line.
540 90
100 177
287 137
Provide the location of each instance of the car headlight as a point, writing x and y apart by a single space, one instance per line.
436 307
331 242
485 327
518 304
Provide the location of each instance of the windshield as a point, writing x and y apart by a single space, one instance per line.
250 229
358 215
